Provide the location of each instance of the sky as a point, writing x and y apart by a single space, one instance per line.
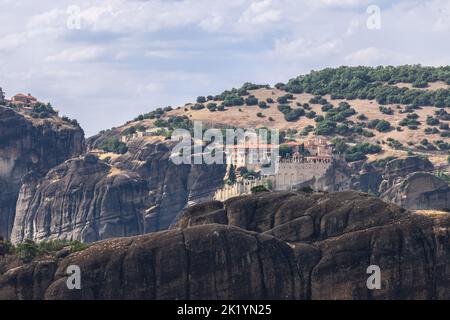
104 62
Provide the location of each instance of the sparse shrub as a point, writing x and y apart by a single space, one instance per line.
114 145
201 99
326 128
258 189
251 101
307 189
386 110
211 106
432 121
197 106
311 114
263 105
383 126
362 117
29 250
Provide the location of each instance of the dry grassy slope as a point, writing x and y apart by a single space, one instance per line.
247 118
56 120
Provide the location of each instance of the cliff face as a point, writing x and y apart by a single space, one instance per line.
30 145
87 199
410 183
172 187
420 190
83 199
266 246
396 170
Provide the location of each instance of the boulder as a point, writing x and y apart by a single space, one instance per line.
286 245
420 190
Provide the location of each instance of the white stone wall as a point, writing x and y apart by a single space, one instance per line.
290 173
293 172
239 188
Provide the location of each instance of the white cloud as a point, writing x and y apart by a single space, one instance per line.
76 55
212 23
376 56
165 52
54 18
301 48
150 88
260 12
12 41
337 3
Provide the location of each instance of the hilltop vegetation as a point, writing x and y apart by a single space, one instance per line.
395 108
375 84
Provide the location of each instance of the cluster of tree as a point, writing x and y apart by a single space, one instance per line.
258 189
394 144
197 106
374 83
155 114
325 128
359 151
432 130
234 96
212 106
380 125
386 110
251 101
285 98
114 145
263 105
435 145
318 100
442 114
290 114
341 113
410 121
442 145
306 130
431 121
43 111
72 121
426 145
311 114
175 122
29 250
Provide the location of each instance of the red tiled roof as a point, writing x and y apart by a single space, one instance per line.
250 146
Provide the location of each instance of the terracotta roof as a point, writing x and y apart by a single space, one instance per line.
250 146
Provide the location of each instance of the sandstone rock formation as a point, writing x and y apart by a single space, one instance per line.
420 190
172 187
30 145
396 170
136 193
82 199
267 246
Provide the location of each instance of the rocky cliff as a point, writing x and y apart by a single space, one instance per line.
420 190
266 246
30 145
396 170
83 199
89 200
410 183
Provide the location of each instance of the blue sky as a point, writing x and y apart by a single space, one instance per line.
131 56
